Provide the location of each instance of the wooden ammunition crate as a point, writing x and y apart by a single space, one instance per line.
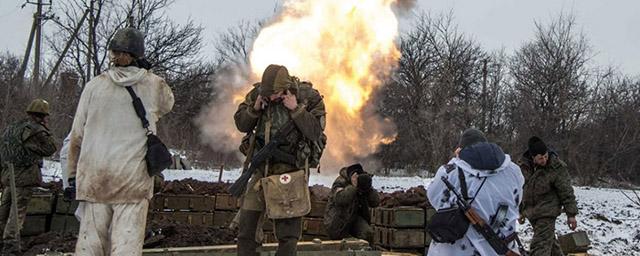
574 242
317 209
34 225
64 223
183 202
394 238
400 217
64 207
226 202
40 204
223 218
192 218
313 226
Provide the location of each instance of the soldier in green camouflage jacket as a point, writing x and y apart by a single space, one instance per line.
547 192
347 213
267 108
24 144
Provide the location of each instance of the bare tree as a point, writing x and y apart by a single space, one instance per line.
435 92
170 47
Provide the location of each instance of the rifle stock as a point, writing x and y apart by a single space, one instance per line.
266 152
479 224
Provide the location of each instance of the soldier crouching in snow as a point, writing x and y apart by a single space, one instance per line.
279 187
106 162
491 183
547 190
347 213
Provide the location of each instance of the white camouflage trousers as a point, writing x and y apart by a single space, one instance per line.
111 229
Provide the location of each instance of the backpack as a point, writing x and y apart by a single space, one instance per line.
311 97
450 224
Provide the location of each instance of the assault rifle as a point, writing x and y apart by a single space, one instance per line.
266 152
479 224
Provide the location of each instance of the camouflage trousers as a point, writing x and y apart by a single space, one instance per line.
359 228
287 232
7 219
544 242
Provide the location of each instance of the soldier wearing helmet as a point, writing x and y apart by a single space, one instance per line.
24 144
106 166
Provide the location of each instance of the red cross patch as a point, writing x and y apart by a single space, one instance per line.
285 178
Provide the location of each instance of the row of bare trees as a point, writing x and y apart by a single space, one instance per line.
549 88
444 83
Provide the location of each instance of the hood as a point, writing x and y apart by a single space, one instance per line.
343 173
483 156
126 76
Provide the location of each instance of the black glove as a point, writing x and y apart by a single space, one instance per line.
364 182
70 191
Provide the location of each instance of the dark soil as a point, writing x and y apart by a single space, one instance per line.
165 233
195 187
416 196
49 242
319 193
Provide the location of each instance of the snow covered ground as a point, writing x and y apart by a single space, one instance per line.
610 219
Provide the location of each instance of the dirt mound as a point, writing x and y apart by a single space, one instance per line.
416 196
319 193
165 233
49 242
194 187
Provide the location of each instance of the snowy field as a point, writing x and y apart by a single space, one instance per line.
610 219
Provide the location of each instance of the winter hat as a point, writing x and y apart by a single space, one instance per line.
354 168
537 146
471 136
275 79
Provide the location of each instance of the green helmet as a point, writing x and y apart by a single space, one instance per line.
275 79
39 106
129 40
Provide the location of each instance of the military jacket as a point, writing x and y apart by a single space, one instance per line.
309 119
24 144
547 189
346 203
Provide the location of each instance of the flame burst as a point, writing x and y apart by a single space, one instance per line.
343 47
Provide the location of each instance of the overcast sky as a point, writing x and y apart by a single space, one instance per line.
610 25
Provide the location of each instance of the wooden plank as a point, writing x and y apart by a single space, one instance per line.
402 217
317 209
64 223
34 225
226 202
574 242
400 238
313 226
64 207
333 245
223 218
40 204
192 218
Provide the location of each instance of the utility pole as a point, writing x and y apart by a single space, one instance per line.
36 33
90 42
35 76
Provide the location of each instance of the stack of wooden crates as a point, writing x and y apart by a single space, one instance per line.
207 210
49 212
401 228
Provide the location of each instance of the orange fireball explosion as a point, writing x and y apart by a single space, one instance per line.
341 46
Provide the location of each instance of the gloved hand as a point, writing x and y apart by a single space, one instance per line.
364 182
70 191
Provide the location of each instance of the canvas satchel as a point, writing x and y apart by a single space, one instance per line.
287 195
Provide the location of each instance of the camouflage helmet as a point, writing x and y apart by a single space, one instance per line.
129 40
39 106
275 79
